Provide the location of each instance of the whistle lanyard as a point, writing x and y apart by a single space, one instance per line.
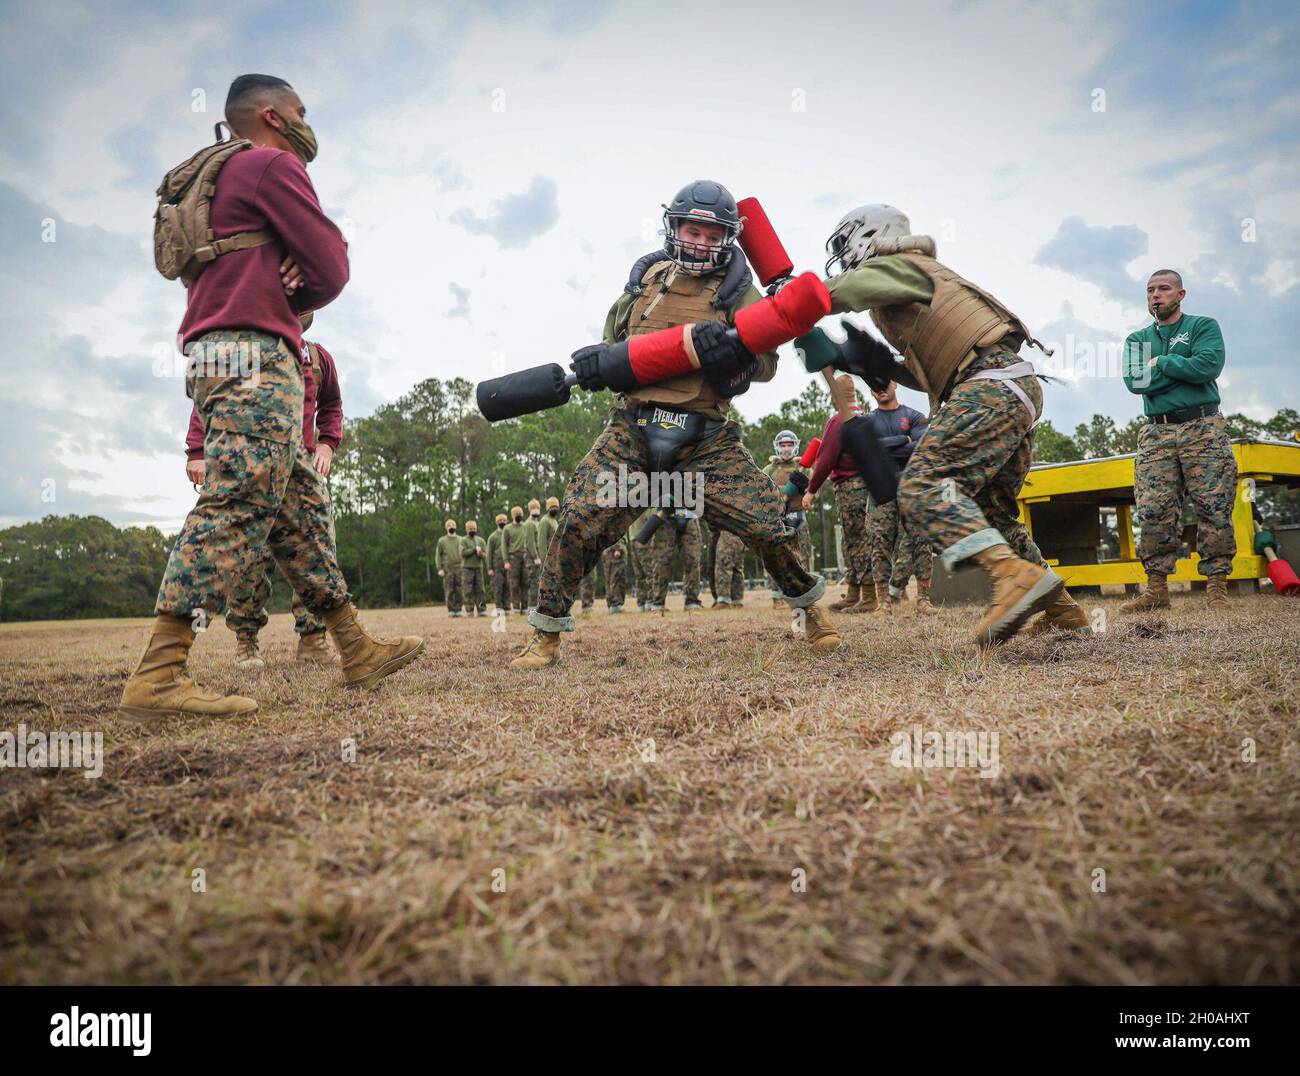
1164 344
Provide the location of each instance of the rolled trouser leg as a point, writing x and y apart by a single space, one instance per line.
302 539
804 538
305 622
451 587
980 430
1158 490
851 506
882 525
586 526
249 594
692 548
471 589
224 537
1210 476
615 581
741 499
514 585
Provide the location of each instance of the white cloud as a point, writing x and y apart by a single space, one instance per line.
975 119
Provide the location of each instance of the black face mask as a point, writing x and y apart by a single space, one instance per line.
519 519
553 512
501 526
471 533
451 530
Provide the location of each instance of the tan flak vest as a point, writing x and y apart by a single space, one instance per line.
941 338
687 299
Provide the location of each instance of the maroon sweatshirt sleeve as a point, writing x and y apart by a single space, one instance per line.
329 401
827 454
285 195
194 439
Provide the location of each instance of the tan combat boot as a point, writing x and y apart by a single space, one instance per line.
923 606
1156 596
314 649
246 652
1216 591
884 600
819 631
852 594
367 660
1020 589
159 686
1064 614
543 649
867 602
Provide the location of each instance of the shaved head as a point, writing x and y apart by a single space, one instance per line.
1165 294
251 93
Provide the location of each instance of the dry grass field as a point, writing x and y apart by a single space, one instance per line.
500 827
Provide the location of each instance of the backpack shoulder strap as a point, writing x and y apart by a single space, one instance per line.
239 241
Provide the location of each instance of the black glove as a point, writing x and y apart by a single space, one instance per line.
722 356
870 359
586 364
738 385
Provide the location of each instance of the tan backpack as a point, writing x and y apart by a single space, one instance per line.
183 243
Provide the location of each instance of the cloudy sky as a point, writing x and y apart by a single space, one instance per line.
498 166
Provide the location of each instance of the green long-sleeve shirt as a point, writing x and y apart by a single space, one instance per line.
546 528
890 280
531 548
473 552
1189 357
496 548
446 554
515 538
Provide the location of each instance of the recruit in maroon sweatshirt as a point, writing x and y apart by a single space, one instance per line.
833 460
268 188
322 405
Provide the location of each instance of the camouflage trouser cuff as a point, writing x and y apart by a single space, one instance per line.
802 601
542 622
970 545
895 592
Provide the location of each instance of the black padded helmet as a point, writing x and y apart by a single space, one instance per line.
710 203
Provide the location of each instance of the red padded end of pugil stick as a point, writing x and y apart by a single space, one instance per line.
809 456
758 239
791 312
659 355
1284 578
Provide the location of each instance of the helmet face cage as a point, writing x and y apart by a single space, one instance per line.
849 246
786 437
702 257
